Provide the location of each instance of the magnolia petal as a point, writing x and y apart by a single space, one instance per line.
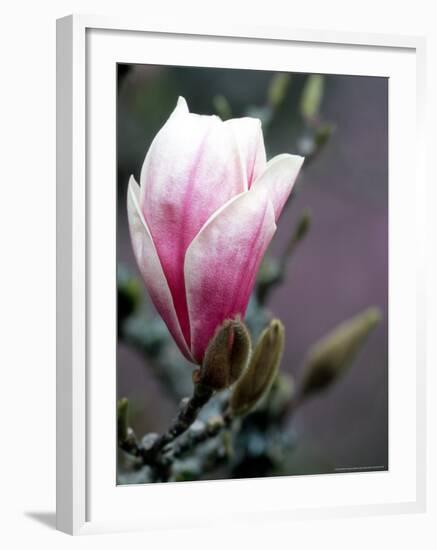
192 168
222 262
150 267
278 179
249 136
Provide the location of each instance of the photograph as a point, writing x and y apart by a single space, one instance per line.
220 298
252 274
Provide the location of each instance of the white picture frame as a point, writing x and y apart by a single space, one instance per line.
76 222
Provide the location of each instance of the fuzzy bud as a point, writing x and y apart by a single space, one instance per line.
262 369
329 358
226 355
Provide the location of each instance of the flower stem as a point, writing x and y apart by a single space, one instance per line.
187 415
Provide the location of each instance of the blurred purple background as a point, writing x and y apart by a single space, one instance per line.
339 269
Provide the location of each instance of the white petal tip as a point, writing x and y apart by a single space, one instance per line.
133 187
181 105
300 160
296 158
286 158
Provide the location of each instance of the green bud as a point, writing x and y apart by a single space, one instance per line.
312 96
278 88
262 369
226 355
122 425
330 358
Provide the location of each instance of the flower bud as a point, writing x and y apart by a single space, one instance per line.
226 356
278 89
262 369
208 182
329 358
312 96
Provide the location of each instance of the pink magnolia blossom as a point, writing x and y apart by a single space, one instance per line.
202 218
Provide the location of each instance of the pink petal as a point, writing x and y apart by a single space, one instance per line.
192 168
222 262
278 179
150 267
249 136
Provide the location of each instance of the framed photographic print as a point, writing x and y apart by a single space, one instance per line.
240 330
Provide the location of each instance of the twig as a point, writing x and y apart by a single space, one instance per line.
129 444
151 447
194 438
187 415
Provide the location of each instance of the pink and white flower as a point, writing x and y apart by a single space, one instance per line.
202 218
